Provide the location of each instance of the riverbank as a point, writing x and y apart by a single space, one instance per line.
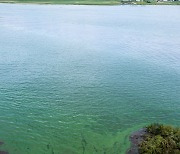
87 2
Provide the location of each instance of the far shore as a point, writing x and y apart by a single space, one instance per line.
86 2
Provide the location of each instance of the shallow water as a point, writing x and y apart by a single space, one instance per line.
80 79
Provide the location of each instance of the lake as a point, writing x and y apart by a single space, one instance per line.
81 79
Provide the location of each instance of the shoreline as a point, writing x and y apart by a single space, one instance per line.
135 139
101 3
153 138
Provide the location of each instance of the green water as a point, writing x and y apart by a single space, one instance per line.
80 79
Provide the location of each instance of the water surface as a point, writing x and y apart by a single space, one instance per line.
80 79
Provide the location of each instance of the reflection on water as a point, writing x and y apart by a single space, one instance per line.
80 79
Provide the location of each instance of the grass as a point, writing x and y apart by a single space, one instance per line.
88 2
161 139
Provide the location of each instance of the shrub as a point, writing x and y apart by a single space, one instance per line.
161 140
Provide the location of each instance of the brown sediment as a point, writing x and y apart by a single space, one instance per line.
136 138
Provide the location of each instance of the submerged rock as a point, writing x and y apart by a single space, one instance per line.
136 138
1 142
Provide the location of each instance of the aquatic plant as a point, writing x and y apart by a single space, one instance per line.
161 139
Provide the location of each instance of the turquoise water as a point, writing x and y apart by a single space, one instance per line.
80 79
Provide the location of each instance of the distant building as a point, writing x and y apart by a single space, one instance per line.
167 0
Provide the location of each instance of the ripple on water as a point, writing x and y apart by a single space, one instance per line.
77 79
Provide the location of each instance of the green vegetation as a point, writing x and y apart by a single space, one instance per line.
161 139
92 2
